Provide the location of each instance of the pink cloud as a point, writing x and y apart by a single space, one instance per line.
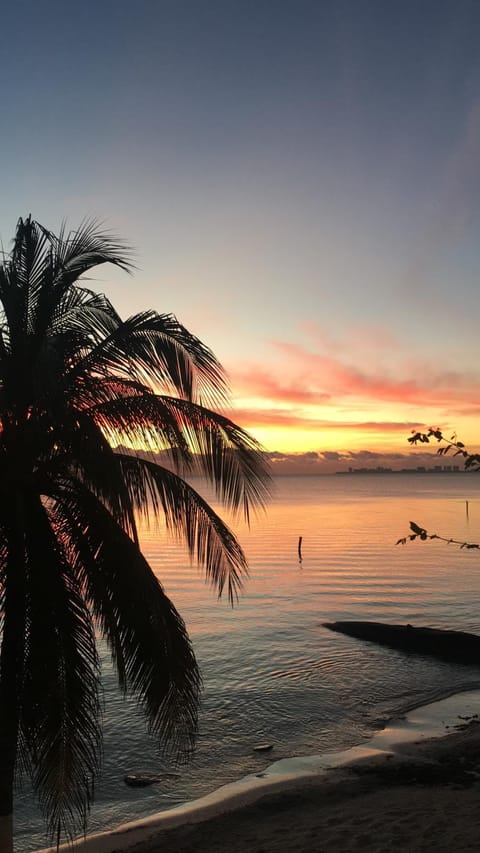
299 389
316 378
250 417
371 338
260 383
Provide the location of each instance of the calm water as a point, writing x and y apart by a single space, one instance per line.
271 671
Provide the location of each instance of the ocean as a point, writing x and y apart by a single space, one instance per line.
271 671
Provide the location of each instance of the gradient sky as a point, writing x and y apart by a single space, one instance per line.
300 181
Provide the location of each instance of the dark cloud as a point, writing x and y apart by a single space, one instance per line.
365 455
334 456
331 461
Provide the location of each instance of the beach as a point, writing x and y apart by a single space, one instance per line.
428 801
404 790
272 672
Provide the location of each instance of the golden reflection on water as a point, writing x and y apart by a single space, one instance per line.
351 566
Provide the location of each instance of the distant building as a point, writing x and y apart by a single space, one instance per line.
420 469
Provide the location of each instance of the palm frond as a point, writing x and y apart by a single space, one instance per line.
88 246
194 437
75 379
149 642
59 705
231 459
71 257
155 489
90 314
29 257
141 420
156 348
82 449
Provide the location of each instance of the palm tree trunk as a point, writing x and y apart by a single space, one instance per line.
11 657
8 738
8 741
6 833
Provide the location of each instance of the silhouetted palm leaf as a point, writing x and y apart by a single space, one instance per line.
76 382
59 708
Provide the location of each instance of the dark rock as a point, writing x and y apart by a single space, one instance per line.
457 646
140 781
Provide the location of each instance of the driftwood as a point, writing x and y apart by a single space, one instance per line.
263 747
457 646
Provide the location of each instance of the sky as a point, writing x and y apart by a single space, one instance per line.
300 182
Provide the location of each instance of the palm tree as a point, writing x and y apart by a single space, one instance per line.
77 385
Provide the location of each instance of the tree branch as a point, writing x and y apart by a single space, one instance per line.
471 463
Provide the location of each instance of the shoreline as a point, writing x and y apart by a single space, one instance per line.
430 744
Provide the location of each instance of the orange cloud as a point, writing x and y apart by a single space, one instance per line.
252 418
259 383
368 393
314 378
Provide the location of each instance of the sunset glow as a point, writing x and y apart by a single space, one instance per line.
301 185
240 426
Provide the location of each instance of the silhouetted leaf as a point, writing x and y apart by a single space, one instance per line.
76 381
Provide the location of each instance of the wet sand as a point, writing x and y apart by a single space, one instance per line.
425 796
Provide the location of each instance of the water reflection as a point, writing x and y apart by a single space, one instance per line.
271 671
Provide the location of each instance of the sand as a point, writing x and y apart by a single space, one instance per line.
423 797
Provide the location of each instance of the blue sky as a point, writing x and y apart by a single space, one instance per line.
300 181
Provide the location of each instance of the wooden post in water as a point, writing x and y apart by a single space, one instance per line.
466 508
300 549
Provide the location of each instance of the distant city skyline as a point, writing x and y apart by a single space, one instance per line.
300 182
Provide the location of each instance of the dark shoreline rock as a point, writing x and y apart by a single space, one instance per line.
140 781
456 646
